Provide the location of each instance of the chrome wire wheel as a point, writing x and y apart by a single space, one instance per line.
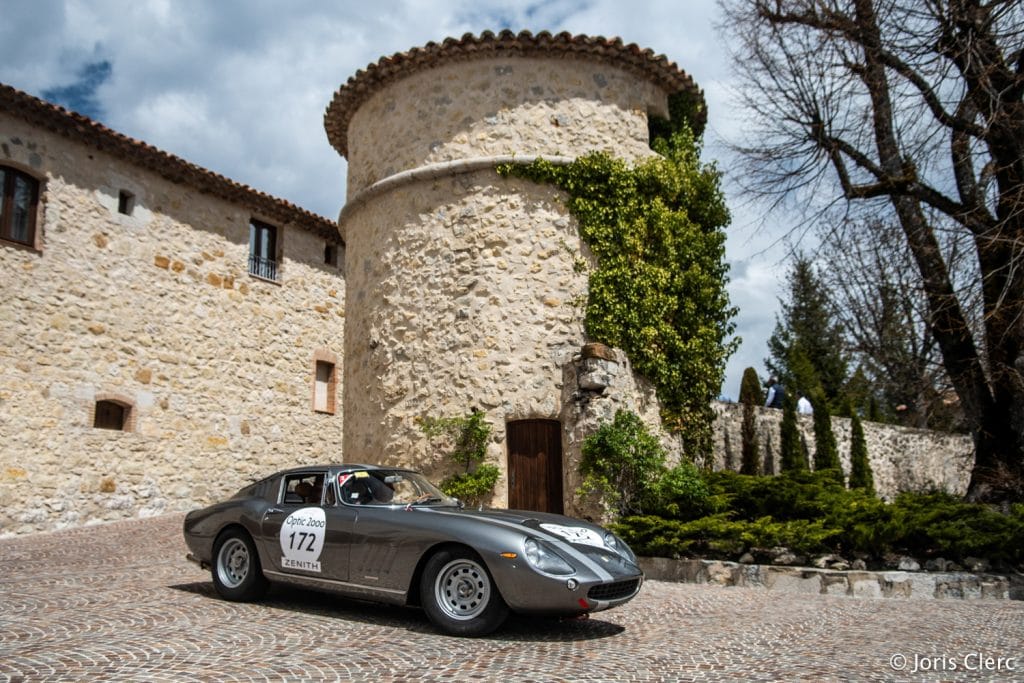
233 563
462 589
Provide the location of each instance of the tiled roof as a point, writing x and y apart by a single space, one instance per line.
364 83
82 129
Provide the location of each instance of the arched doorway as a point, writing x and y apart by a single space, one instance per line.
535 465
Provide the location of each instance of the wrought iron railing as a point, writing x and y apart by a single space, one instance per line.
263 267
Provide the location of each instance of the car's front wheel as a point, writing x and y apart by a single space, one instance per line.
459 595
237 574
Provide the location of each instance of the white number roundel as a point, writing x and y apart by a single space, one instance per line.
302 539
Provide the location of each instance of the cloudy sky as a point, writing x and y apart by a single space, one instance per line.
240 87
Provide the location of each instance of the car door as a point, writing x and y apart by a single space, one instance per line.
306 532
385 543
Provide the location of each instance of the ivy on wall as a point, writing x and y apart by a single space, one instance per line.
658 289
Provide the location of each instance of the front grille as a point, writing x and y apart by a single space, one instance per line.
614 591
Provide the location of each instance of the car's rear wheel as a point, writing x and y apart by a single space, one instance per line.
459 595
237 574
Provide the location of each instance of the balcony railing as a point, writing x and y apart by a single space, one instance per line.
263 267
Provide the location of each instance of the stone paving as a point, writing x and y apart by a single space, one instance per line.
119 602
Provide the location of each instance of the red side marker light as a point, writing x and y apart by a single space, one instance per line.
584 604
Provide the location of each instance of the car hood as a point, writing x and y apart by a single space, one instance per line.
584 537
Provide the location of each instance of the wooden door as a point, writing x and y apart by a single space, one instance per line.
535 465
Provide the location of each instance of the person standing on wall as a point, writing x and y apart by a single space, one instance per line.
803 406
776 394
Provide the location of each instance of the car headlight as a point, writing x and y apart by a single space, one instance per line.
543 558
619 547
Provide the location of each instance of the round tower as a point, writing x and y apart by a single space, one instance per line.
464 288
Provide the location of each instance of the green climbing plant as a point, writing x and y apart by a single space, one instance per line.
658 290
464 442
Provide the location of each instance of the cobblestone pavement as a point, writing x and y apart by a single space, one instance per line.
119 602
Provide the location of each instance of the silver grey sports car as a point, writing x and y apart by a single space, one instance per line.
389 535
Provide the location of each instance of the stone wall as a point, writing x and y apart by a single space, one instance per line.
157 310
902 459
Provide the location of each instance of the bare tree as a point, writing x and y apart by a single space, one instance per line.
882 307
903 107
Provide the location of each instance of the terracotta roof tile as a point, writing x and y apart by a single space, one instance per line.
364 83
82 129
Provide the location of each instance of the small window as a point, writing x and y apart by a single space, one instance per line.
111 415
331 254
262 250
324 388
19 197
125 202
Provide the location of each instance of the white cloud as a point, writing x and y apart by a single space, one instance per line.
240 87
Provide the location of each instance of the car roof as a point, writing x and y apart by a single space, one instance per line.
338 466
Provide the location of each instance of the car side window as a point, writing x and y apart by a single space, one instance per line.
306 488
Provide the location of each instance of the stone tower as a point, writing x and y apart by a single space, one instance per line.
464 288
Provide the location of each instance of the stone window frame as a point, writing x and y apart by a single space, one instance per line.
12 171
126 403
325 357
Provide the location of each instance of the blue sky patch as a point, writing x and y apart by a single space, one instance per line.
80 96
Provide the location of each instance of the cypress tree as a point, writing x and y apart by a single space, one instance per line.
826 453
791 452
750 397
860 467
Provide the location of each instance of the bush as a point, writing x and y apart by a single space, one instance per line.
464 441
621 461
681 493
811 513
472 487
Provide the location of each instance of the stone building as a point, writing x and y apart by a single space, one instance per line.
166 333
169 334
462 287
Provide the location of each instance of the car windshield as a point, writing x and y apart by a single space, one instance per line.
390 487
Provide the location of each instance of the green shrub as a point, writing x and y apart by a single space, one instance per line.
620 462
625 464
464 441
681 493
810 513
472 487
940 525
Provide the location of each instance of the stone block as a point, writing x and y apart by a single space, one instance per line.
864 585
793 580
720 573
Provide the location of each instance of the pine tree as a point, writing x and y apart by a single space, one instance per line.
860 467
750 397
807 346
